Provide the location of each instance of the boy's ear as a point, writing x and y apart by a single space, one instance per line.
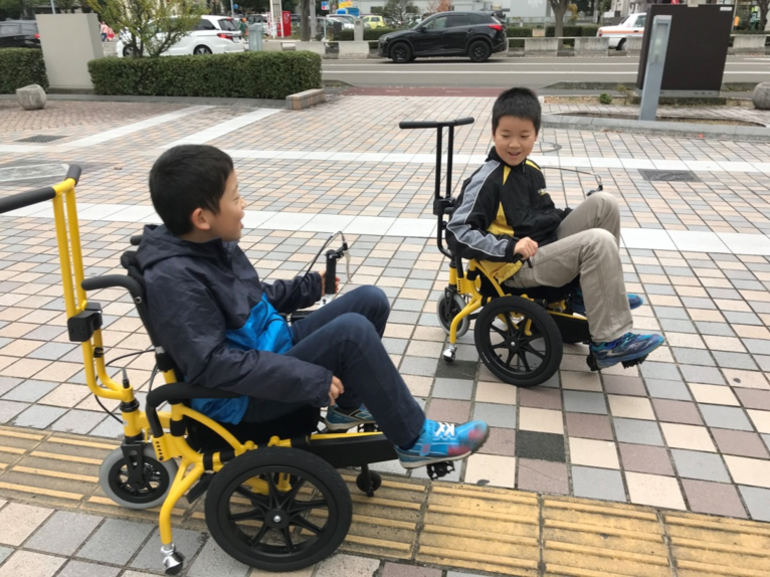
199 221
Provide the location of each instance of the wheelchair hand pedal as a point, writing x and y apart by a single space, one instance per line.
438 470
200 487
173 560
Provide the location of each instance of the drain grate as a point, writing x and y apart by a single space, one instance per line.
41 138
669 175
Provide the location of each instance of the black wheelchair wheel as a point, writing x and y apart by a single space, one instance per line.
518 341
147 493
278 509
447 308
376 479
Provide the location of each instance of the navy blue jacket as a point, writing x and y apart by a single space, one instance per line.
221 325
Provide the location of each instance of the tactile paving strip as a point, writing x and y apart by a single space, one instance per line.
499 531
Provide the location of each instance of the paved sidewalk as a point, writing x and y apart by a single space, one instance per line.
690 431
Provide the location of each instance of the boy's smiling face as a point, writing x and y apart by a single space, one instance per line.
227 223
514 139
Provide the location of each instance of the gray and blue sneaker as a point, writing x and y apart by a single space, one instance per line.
338 420
439 442
630 349
579 307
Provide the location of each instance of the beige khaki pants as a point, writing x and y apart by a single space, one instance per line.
587 245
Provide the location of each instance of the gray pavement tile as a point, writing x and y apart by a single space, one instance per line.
29 564
213 561
698 465
187 542
677 326
83 569
395 346
757 502
460 389
115 541
496 415
670 313
4 553
598 484
52 351
705 375
458 574
78 421
38 416
734 360
109 427
693 357
675 390
664 371
719 329
30 391
63 532
8 383
725 417
584 402
403 570
418 366
713 498
757 346
637 431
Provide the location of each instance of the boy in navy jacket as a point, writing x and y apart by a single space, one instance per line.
223 327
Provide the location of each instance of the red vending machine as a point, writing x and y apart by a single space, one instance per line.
285 29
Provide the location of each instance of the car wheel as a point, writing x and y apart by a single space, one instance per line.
202 50
622 44
401 53
479 51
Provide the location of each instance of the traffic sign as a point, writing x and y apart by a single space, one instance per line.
325 6
346 4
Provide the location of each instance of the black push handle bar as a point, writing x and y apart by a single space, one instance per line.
409 124
30 197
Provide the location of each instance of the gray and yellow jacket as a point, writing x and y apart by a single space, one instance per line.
500 204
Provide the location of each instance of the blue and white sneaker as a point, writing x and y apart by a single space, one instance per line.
579 307
630 349
439 442
336 420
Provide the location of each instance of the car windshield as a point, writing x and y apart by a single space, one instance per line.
10 29
345 17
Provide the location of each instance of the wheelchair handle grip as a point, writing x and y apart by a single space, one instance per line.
412 124
73 172
330 280
28 198
136 240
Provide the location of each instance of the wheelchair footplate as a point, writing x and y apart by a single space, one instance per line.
591 362
438 470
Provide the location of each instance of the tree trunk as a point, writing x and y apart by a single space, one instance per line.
559 10
304 20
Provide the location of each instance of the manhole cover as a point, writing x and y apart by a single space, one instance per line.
55 172
669 175
41 138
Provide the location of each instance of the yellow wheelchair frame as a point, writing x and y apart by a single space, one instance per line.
166 429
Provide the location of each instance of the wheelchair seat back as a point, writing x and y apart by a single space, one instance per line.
200 437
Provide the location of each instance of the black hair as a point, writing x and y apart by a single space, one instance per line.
185 178
518 102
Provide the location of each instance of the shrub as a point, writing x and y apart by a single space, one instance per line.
515 43
20 67
588 30
272 75
605 98
518 32
369 33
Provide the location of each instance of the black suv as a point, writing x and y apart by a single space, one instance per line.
473 34
19 34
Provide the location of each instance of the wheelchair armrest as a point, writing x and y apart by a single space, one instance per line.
177 392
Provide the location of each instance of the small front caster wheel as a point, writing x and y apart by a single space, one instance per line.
374 483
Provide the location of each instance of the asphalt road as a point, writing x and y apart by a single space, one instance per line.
504 71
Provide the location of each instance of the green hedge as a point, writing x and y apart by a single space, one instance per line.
518 32
20 67
570 31
272 75
369 33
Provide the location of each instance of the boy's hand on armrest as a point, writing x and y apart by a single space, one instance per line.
335 390
526 247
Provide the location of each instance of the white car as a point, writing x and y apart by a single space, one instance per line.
632 25
212 35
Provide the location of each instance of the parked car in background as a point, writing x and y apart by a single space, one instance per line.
473 34
346 24
632 25
374 21
212 35
19 34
